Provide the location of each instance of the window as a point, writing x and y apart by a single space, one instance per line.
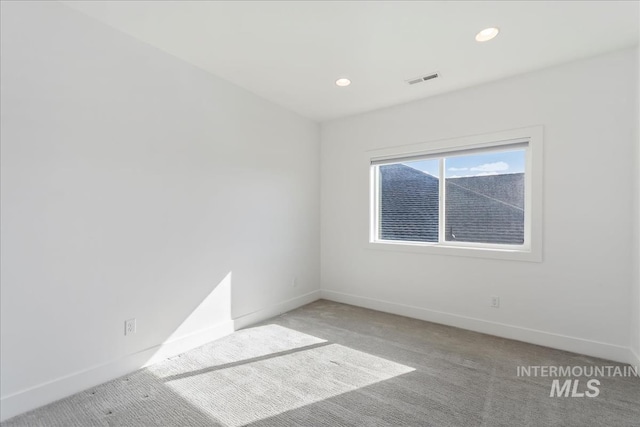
476 196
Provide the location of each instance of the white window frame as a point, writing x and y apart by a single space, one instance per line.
530 139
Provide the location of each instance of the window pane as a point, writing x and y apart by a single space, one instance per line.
485 198
409 201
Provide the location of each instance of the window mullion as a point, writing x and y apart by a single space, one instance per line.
441 201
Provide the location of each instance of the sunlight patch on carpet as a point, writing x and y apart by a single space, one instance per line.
263 386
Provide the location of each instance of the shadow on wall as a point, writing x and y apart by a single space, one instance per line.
188 319
209 320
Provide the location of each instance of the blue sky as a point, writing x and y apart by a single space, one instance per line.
475 165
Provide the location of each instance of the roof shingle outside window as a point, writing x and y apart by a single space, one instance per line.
483 209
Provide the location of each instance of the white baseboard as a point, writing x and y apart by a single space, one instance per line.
275 310
59 388
190 341
562 342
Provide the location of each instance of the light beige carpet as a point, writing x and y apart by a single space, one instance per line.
330 364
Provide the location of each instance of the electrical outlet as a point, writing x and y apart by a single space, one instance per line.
495 302
130 326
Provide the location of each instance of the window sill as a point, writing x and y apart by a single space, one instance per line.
464 251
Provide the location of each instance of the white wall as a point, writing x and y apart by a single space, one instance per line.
635 300
578 297
135 185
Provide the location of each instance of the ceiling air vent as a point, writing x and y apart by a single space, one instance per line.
422 78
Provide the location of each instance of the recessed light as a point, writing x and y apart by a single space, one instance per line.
342 82
487 34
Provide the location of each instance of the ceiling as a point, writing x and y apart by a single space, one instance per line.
291 52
